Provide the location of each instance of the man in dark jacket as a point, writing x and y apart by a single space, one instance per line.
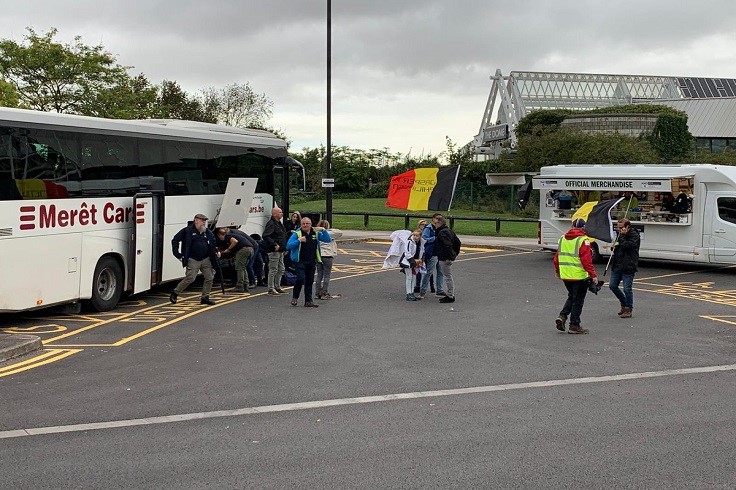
194 246
624 265
274 237
446 248
237 244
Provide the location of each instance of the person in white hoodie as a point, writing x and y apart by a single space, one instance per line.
324 270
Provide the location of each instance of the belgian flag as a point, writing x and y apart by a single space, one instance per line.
423 189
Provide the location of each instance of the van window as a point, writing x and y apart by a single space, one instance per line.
727 209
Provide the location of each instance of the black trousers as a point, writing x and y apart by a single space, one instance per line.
304 277
576 291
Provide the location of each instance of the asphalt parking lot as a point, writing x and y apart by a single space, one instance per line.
481 392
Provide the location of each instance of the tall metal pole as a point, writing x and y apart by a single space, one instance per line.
328 157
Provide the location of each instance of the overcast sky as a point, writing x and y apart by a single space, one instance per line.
405 73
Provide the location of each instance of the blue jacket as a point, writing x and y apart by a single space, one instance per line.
295 246
429 235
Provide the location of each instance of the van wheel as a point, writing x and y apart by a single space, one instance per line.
595 254
107 284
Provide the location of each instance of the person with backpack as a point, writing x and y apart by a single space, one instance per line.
446 248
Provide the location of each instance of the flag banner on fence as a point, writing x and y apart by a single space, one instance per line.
598 223
423 189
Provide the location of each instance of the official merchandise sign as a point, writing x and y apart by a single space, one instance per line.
588 184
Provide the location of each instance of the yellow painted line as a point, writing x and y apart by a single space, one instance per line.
49 356
721 319
118 317
684 273
203 309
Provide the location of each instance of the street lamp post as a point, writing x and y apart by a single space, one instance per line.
328 156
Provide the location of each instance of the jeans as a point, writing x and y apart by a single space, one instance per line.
324 270
627 297
249 267
576 291
304 277
433 268
275 269
445 267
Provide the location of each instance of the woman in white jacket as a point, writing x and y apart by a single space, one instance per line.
324 270
411 262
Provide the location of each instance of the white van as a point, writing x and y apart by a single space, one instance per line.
701 230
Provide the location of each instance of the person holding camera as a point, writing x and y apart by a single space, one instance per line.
574 265
624 265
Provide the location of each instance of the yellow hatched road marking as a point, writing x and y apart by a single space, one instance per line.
47 357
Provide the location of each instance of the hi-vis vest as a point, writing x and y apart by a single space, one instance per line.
319 253
571 268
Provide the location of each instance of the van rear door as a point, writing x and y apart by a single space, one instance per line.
721 234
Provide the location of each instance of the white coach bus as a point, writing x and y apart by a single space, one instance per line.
683 212
88 206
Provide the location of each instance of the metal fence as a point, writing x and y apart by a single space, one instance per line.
409 217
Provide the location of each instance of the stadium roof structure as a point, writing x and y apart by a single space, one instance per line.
513 97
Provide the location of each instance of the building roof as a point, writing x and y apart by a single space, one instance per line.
707 118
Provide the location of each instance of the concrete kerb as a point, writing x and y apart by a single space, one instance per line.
16 345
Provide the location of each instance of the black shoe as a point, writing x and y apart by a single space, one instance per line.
447 299
206 301
560 322
310 304
280 291
173 297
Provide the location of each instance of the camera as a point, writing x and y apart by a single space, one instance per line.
594 287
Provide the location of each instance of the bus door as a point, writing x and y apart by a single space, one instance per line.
146 242
237 201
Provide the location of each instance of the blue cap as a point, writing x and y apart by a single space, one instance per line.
578 223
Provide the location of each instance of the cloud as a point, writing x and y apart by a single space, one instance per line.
405 74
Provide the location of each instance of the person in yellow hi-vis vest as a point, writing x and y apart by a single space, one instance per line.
574 265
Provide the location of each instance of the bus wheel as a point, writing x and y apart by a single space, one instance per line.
595 254
107 286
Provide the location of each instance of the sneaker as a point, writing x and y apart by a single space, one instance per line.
173 297
422 295
325 296
272 292
251 285
560 322
447 299
411 297
441 293
309 304
577 329
280 291
206 301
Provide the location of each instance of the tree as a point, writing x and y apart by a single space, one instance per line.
49 76
130 98
174 103
237 105
8 94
